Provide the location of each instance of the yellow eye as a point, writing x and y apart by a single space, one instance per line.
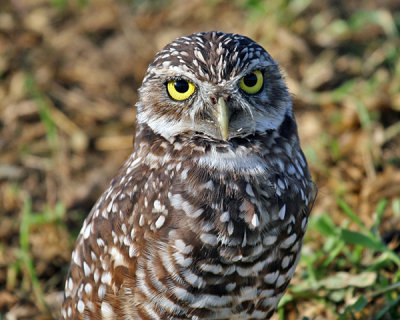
252 82
180 89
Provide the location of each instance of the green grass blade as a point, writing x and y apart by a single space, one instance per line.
357 238
334 253
380 209
351 214
43 110
324 225
359 304
25 256
369 242
387 307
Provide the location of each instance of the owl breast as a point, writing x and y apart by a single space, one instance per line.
226 239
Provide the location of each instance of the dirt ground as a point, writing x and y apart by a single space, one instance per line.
69 74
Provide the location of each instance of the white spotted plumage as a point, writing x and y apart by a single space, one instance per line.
195 225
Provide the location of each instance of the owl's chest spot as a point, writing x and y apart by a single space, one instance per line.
236 264
245 287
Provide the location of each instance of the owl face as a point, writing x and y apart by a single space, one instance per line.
213 85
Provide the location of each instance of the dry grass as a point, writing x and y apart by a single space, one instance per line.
69 71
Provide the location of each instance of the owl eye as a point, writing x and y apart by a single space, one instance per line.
252 82
180 89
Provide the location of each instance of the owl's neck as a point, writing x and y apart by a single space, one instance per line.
242 155
238 160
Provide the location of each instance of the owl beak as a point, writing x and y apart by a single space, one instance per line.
222 117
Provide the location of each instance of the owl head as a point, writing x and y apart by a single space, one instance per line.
214 85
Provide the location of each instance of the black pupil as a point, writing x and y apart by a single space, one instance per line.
181 86
250 80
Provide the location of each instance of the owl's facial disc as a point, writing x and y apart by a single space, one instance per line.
215 85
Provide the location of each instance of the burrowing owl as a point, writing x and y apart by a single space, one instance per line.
205 220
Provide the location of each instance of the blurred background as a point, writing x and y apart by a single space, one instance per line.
69 74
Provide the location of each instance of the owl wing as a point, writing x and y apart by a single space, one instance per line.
110 242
